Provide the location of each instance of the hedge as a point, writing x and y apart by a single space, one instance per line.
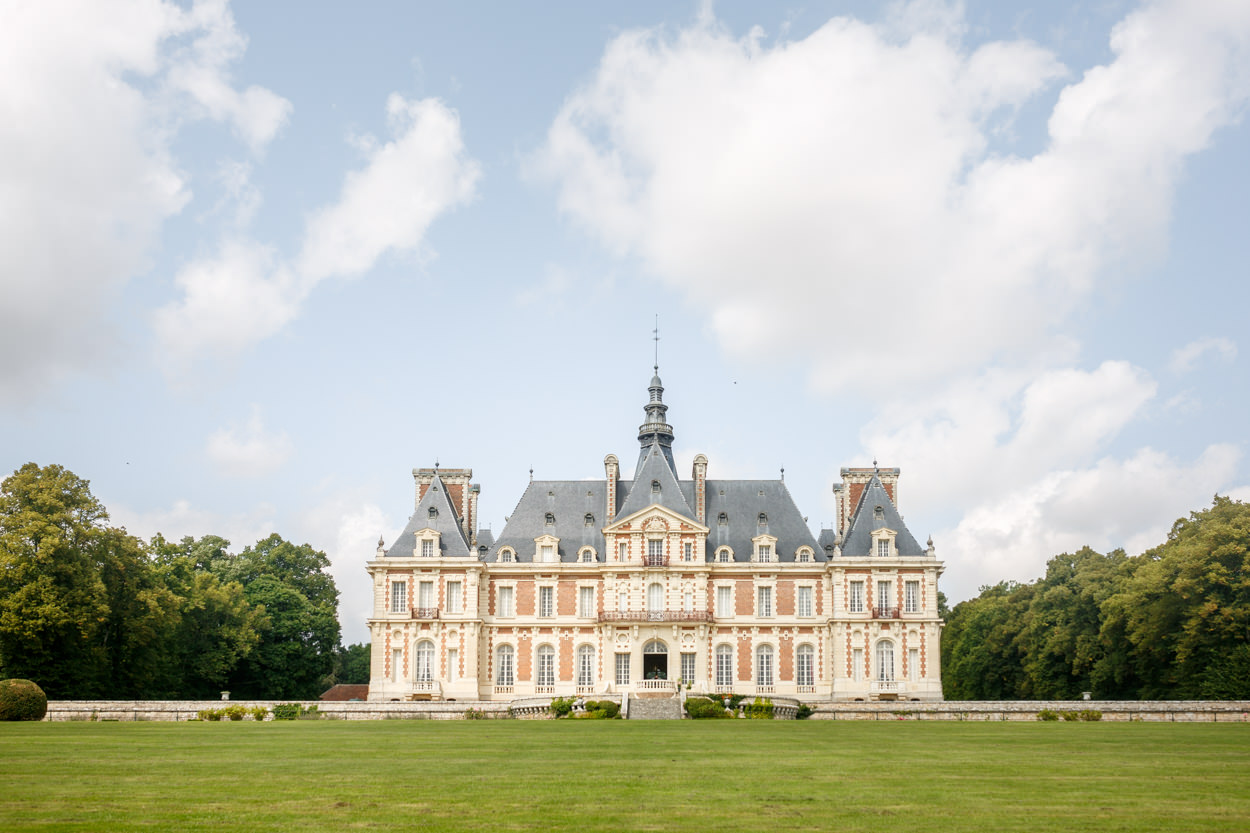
22 700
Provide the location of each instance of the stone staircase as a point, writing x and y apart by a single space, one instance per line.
655 708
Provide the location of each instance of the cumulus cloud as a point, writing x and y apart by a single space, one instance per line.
1185 358
182 518
93 99
1022 460
851 177
248 450
245 293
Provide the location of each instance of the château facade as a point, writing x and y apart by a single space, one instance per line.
617 586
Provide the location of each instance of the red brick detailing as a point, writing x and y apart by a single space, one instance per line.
565 651
785 658
744 658
785 598
566 598
524 598
744 598
523 651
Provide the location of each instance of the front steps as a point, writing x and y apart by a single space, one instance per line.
654 708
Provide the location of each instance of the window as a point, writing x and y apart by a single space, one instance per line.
586 602
724 601
687 552
427 548
885 661
805 601
433 513
504 665
546 666
687 600
548 554
586 665
655 487
503 606
587 555
764 665
397 661
550 519
687 667
589 520
399 597
857 664
803 666
724 555
763 519
622 551
655 598
804 556
855 601
765 606
425 594
622 669
911 596
883 547
506 556
766 553
883 596
724 665
546 601
425 661
913 664
722 519
455 596
622 599
655 552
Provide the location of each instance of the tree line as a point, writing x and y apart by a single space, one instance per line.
89 611
1171 624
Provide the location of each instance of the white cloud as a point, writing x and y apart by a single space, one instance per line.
248 450
87 177
1185 358
245 294
849 177
182 519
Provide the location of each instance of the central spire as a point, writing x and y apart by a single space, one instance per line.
656 432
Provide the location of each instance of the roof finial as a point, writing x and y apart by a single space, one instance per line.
875 470
531 472
656 332
435 464
783 474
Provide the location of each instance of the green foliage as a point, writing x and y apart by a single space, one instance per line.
561 706
22 700
803 712
1172 623
352 664
475 714
1049 715
210 714
701 708
258 713
761 709
287 711
602 709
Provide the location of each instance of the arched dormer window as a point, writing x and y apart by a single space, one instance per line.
722 519
506 555
655 487
589 520
763 519
550 520
433 513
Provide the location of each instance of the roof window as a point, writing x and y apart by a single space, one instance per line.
550 519
722 519
655 487
589 520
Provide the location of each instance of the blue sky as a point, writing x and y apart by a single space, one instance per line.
262 260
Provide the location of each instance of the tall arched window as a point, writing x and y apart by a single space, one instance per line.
885 660
804 665
425 661
655 598
764 665
724 665
586 665
546 665
504 665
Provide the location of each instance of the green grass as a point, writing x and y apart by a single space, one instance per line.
709 776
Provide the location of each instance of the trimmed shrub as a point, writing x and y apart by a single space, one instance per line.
1071 716
211 714
287 711
803 712
701 707
1048 715
561 706
259 713
1091 715
22 700
761 709
603 709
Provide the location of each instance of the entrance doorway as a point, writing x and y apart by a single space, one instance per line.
655 660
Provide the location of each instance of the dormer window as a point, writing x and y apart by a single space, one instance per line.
804 555
878 513
883 548
506 556
589 520
763 519
722 519
550 520
427 548
433 512
655 487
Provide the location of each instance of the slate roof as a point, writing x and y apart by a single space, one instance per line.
569 501
452 542
655 468
858 541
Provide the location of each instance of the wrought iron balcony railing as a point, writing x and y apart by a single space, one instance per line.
425 613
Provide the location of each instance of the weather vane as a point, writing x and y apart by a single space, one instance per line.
656 331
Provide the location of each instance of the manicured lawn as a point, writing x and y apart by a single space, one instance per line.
709 776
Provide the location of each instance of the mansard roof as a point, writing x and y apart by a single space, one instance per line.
867 519
445 521
743 502
654 467
568 502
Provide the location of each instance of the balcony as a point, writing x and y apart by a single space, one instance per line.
655 685
884 687
655 560
427 688
425 613
655 616
886 613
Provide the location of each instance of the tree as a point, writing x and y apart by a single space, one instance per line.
352 664
982 657
53 601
